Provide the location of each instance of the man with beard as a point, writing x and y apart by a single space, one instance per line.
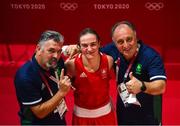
41 84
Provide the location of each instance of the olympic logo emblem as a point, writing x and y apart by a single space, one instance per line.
69 6
154 6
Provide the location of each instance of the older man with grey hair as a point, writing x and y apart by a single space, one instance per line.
41 84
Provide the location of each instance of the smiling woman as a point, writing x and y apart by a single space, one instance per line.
92 72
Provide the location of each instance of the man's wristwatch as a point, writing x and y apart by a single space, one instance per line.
143 87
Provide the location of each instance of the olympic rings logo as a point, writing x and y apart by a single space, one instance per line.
154 6
69 6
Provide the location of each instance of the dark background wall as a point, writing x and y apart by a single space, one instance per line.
22 21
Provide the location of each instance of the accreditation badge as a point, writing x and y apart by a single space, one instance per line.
133 100
123 93
61 108
126 97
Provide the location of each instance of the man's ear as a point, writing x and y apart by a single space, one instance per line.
38 48
135 35
113 39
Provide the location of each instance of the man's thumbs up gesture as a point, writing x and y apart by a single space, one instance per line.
133 85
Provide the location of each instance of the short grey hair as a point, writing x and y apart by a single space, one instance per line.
48 35
129 24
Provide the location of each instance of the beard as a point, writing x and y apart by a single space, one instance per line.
52 63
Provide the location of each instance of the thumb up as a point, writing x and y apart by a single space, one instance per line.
131 75
133 85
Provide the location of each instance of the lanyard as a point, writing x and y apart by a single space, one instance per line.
129 66
52 77
62 107
46 83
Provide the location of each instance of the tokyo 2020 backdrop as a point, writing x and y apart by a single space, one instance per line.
22 21
157 21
